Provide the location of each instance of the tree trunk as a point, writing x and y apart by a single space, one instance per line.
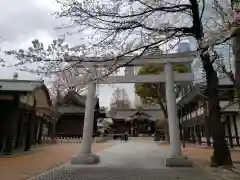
221 154
236 51
164 110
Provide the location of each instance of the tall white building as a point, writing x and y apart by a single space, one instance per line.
120 99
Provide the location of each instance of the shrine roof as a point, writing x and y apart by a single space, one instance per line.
199 90
74 98
74 103
19 85
23 86
140 113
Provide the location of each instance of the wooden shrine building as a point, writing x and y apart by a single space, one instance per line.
134 124
193 114
119 126
71 111
24 110
141 123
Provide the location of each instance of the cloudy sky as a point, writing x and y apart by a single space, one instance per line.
21 21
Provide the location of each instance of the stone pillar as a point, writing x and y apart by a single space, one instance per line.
175 158
86 156
172 112
89 119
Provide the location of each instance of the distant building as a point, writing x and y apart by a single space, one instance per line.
120 99
25 109
15 76
72 112
183 47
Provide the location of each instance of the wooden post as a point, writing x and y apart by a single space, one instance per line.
188 134
229 131
35 129
23 132
28 133
2 129
181 124
236 130
207 125
10 124
39 139
198 128
193 134
9 134
184 137
19 130
190 112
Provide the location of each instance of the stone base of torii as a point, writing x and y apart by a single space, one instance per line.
175 158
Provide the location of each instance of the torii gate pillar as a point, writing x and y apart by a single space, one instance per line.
87 157
175 158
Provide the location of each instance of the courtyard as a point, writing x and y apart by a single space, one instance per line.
124 161
138 158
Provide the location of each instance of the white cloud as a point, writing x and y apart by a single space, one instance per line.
24 20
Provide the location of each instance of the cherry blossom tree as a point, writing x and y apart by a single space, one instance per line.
131 27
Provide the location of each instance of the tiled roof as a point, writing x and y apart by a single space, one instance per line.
77 97
78 106
199 89
19 85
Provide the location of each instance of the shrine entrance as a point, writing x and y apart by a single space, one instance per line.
169 77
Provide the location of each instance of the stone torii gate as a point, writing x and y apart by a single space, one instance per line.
168 76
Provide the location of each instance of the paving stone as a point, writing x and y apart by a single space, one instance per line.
127 161
103 173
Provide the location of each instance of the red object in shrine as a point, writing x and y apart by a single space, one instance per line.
54 140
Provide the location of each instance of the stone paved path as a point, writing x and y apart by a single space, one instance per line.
135 160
